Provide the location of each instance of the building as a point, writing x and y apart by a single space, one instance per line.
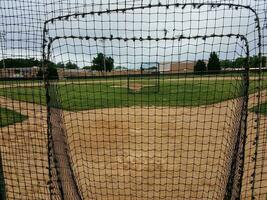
177 67
25 72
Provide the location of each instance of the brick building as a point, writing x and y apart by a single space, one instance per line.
25 72
177 67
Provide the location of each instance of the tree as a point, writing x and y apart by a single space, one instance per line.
71 65
102 63
109 64
120 68
200 66
98 62
264 61
226 64
214 62
239 62
19 62
60 65
254 62
51 72
87 67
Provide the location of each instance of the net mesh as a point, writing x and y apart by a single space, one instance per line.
145 79
133 99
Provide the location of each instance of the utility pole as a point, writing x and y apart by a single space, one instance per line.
104 52
2 41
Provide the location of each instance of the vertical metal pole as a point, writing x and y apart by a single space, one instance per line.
2 39
104 52
2 181
2 177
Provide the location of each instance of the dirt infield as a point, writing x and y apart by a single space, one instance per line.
24 152
133 86
122 153
140 158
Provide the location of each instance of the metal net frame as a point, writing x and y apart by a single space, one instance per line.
73 126
145 80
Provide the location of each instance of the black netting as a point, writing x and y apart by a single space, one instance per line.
132 99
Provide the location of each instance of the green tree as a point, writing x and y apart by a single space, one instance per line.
109 64
239 62
19 62
102 63
51 72
226 64
120 68
254 61
70 65
87 67
200 66
60 65
214 62
264 61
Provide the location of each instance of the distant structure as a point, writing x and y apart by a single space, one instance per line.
24 72
177 67
265 64
31 72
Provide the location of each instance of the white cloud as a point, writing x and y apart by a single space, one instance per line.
23 22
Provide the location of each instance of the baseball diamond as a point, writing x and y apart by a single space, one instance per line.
133 100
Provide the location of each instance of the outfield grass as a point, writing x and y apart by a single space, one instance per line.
8 117
75 97
162 77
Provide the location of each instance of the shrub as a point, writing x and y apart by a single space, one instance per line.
200 66
51 73
71 65
102 63
214 62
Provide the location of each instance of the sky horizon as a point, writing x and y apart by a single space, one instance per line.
23 37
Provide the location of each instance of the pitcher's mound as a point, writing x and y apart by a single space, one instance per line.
136 87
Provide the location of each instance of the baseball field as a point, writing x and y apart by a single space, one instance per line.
172 144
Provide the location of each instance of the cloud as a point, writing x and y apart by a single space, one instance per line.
23 24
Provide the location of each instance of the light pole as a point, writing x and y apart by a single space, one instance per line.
104 52
2 40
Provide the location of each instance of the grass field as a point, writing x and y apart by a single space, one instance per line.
263 109
124 147
10 117
162 77
75 97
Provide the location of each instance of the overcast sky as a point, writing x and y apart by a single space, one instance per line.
23 23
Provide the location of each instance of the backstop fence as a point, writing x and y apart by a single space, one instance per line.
133 99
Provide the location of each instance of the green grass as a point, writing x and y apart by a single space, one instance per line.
75 97
263 109
8 117
162 76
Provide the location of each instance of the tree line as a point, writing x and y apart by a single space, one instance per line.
32 62
215 64
100 63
